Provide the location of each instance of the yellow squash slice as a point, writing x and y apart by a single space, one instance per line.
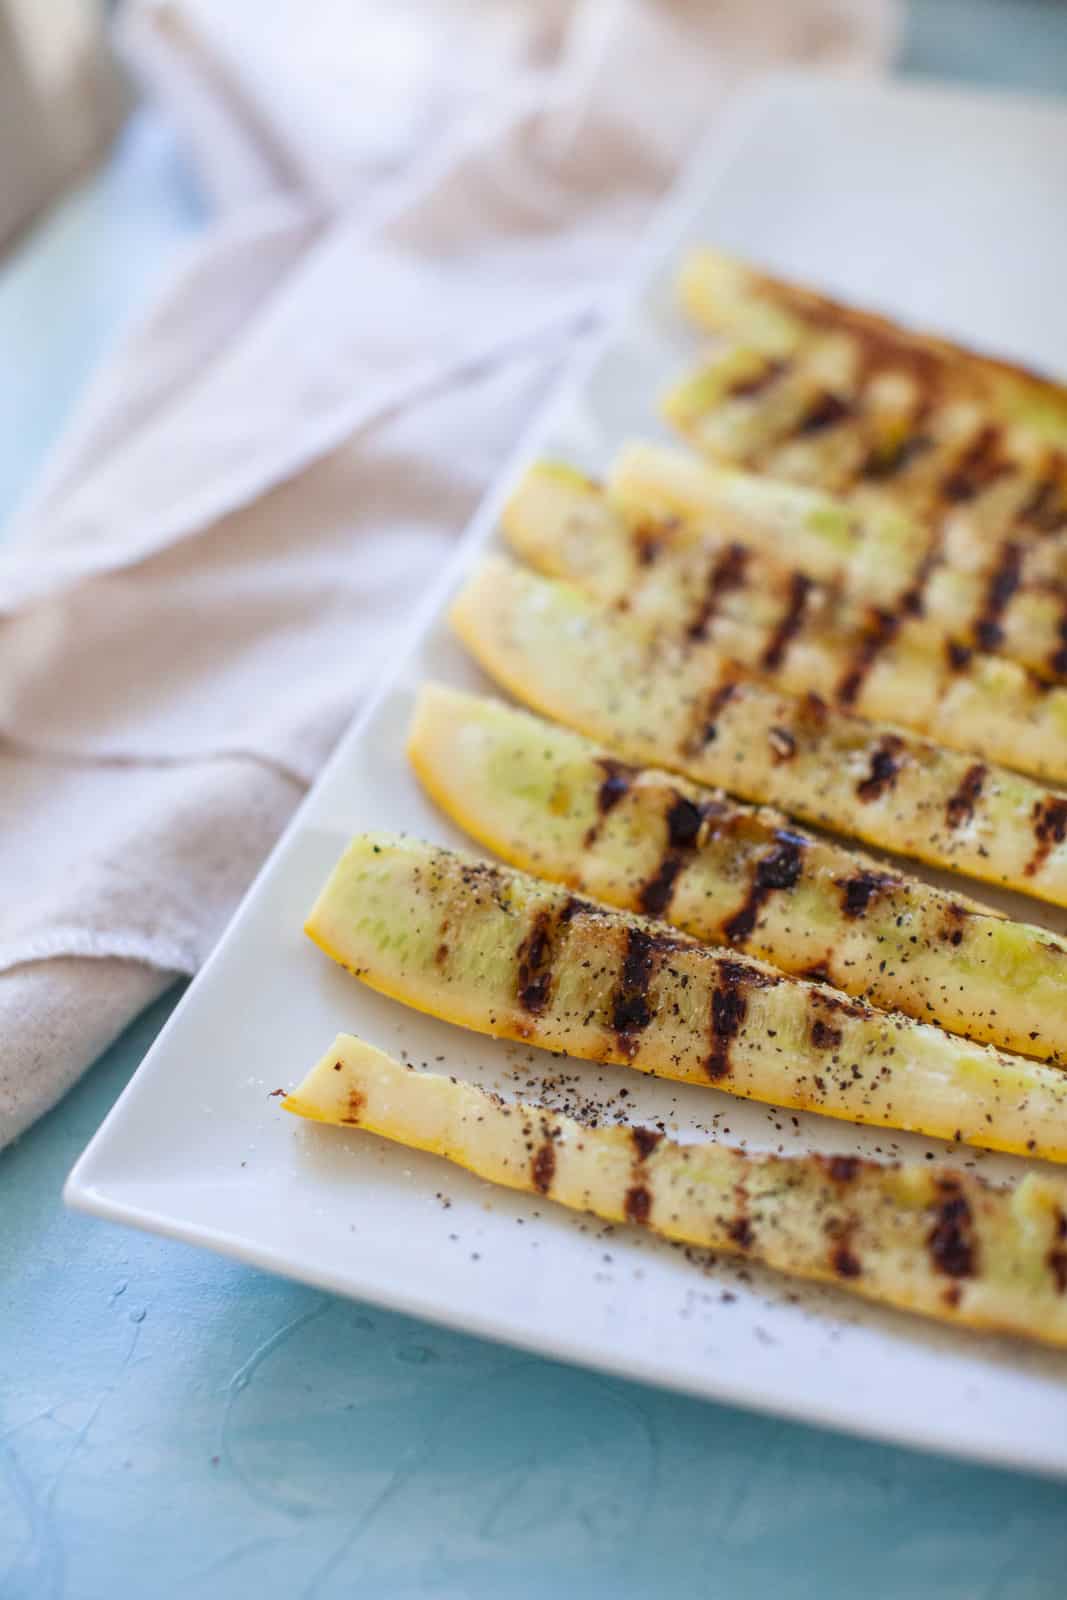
996 505
508 955
818 393
782 319
714 595
922 1238
873 556
552 803
615 681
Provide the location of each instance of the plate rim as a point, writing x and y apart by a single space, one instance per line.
575 1352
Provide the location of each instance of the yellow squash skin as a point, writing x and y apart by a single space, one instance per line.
552 803
617 682
818 393
717 595
507 955
928 1239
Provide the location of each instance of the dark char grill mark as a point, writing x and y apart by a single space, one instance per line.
1046 509
1058 659
684 820
883 464
729 1006
814 709
740 1231
959 807
645 1141
631 1012
789 623
1003 582
648 547
780 868
979 466
637 1204
535 964
842 1169
884 626
727 572
573 907
858 892
884 768
543 1166
1049 824
657 893
1057 1256
823 1036
951 1241
825 411
649 538
356 1102
688 823
913 601
718 700
844 1262
614 785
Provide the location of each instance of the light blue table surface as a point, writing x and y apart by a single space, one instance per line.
172 1424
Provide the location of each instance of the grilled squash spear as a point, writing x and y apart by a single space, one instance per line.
817 393
704 592
783 319
876 556
1003 516
508 955
552 803
614 680
922 1238
991 509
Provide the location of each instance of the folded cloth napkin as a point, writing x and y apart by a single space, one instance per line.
420 208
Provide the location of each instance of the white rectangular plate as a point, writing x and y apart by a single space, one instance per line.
944 208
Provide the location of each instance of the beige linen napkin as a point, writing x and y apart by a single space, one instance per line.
420 208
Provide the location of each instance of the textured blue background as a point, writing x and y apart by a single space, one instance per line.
173 1424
